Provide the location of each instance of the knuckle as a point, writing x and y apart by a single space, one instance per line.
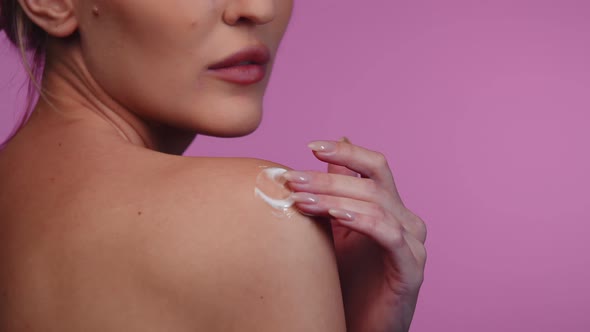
380 160
406 214
416 281
421 254
399 228
327 180
419 221
397 238
424 230
380 212
371 224
421 227
372 186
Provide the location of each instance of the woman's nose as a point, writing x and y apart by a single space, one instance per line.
257 12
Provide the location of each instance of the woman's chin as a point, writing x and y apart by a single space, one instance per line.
234 129
222 119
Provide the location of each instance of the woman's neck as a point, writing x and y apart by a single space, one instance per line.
72 93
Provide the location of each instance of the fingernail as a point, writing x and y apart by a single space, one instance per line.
306 198
342 214
296 177
322 146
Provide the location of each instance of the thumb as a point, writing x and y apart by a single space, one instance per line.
337 169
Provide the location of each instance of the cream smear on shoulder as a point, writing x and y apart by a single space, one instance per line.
271 188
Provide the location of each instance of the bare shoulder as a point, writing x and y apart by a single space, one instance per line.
139 241
233 257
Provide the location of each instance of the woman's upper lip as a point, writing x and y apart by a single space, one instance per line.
258 54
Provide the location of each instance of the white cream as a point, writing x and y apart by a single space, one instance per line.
271 188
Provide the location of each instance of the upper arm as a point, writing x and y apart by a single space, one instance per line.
235 264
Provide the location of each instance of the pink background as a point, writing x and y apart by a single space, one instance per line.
482 108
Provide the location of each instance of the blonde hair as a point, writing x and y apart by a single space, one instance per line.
30 40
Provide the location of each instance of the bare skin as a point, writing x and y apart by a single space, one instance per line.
104 227
110 237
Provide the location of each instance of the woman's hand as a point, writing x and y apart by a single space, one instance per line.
379 243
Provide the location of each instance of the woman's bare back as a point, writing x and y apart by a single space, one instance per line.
114 237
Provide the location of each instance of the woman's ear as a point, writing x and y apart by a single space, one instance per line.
56 17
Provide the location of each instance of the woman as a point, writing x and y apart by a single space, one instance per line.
106 227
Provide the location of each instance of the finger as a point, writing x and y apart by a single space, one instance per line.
337 169
369 164
370 220
319 205
390 236
337 185
414 224
418 249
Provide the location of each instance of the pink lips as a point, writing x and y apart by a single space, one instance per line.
245 67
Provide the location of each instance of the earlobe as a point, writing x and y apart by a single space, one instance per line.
56 17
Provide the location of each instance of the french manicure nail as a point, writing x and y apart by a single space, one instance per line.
342 214
322 146
296 177
306 198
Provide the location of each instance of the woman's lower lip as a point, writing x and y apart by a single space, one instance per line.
245 75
